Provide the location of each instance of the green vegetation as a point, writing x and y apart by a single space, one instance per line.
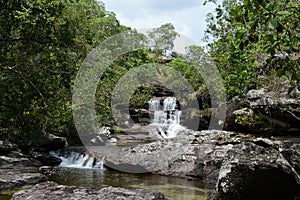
162 38
44 42
42 45
255 37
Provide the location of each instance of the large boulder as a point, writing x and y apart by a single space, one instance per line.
252 171
190 154
45 158
45 144
50 143
51 190
238 181
17 178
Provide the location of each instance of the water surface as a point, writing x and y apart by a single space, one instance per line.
171 187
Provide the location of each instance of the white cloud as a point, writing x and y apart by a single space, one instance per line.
188 17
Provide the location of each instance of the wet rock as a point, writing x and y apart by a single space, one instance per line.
51 143
51 190
45 158
45 144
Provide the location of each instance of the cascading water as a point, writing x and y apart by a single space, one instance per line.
166 121
78 160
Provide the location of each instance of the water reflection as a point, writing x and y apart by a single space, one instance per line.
173 188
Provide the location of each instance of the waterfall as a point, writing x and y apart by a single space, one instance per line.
166 121
154 104
169 104
78 160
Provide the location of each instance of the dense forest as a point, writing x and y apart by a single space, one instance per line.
44 42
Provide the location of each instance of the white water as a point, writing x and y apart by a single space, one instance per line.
78 160
154 104
166 121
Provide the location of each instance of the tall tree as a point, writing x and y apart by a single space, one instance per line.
162 38
42 44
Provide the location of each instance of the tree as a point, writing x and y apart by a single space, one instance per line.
42 45
247 33
162 38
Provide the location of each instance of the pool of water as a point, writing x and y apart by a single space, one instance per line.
171 187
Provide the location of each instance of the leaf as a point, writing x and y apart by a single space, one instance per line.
273 23
283 12
233 12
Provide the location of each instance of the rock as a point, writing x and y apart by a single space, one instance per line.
265 183
54 143
267 112
219 158
51 143
7 147
17 170
45 158
51 190
190 154
291 151
254 95
256 172
16 178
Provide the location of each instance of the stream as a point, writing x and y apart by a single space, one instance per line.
78 169
171 187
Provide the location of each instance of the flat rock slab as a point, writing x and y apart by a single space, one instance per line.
51 190
17 170
12 178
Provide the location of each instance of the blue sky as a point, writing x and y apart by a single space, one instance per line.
188 16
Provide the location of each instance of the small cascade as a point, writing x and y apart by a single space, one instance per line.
154 104
166 121
78 160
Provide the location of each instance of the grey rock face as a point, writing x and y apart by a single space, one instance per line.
251 171
17 170
291 151
51 190
263 111
225 159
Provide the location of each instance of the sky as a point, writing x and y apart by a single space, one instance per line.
187 16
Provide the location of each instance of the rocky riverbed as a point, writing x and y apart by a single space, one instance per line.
51 190
238 166
18 170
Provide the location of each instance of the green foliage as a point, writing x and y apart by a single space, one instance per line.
247 33
111 77
188 72
162 38
42 45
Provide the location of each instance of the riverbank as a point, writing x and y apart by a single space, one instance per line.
239 165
